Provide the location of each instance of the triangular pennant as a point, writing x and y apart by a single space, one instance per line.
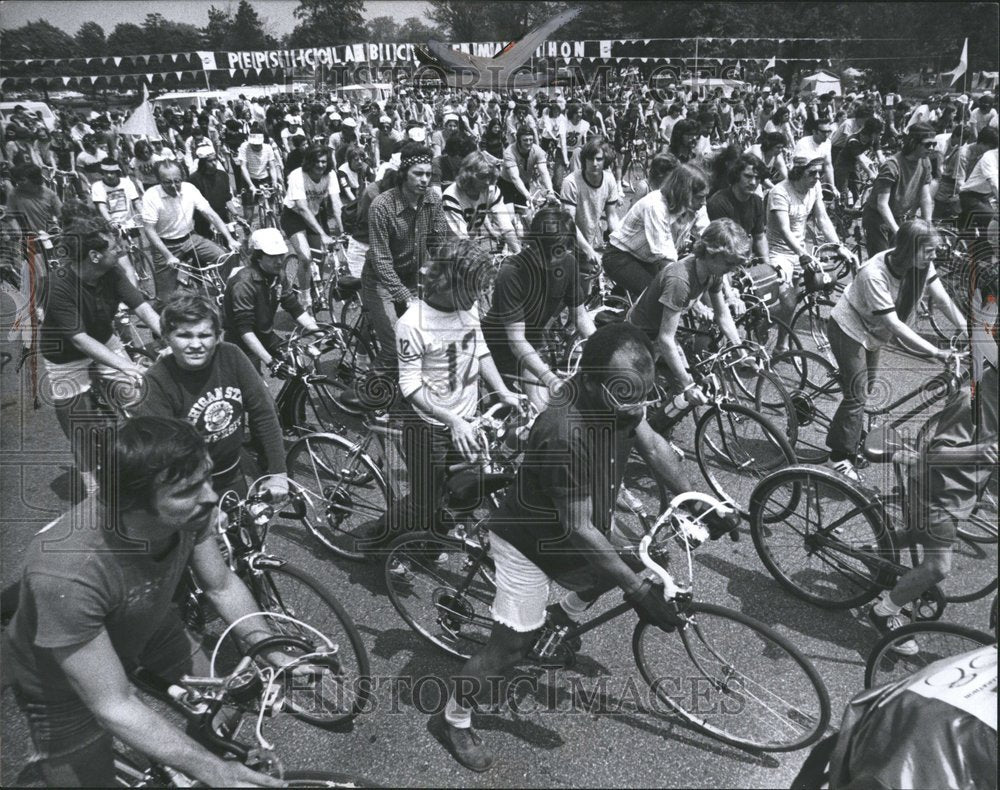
180 74
117 60
232 72
149 78
65 80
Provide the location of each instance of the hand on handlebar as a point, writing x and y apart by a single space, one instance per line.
906 457
652 607
695 396
280 369
231 773
465 439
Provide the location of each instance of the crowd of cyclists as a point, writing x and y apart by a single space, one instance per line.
656 199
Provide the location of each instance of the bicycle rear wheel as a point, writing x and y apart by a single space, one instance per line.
344 489
442 590
340 695
735 679
735 448
345 359
809 324
934 639
813 386
821 538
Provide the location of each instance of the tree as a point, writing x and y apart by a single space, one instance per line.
216 33
127 39
415 31
382 29
322 23
248 28
163 35
90 40
38 39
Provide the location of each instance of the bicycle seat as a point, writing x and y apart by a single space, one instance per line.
466 489
347 285
882 442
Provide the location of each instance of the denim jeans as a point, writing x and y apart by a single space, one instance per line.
627 271
858 367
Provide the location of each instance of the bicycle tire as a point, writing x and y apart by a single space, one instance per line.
766 329
935 639
345 361
813 385
734 450
765 393
345 491
809 324
782 528
441 596
721 645
343 698
325 779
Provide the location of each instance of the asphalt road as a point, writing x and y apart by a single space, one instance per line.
555 739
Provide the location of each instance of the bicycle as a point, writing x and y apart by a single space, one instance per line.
836 544
346 483
284 590
130 234
265 213
217 705
447 590
207 278
936 640
825 276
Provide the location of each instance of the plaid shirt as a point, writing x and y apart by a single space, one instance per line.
398 238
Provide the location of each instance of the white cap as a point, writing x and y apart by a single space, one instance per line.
255 139
349 122
418 134
334 116
963 99
294 120
384 119
452 116
269 241
94 115
331 108
204 151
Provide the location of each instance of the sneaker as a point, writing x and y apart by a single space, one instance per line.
464 743
893 622
847 469
400 570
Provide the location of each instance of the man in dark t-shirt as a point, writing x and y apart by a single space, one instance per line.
532 288
556 521
95 605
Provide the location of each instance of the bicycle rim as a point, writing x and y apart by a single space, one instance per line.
344 492
340 695
736 448
819 537
441 591
764 392
735 679
325 779
809 325
934 641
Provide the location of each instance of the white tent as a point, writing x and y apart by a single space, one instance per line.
819 83
707 85
141 123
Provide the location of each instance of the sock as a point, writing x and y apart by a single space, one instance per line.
574 606
456 715
884 607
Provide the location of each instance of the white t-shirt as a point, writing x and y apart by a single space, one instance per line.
118 199
440 352
983 178
302 187
256 161
576 134
783 197
810 149
872 294
645 231
552 127
172 217
589 203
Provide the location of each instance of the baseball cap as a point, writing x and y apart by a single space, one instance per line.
331 108
255 139
204 151
269 241
451 116
418 134
349 122
334 116
384 119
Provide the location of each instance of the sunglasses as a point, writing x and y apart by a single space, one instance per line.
929 144
816 173
620 404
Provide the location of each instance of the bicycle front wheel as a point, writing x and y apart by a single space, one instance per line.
442 590
343 488
934 641
821 538
338 696
735 679
736 447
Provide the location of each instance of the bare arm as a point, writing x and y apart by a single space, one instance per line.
591 543
724 318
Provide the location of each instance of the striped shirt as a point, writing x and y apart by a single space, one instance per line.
256 161
398 236
466 216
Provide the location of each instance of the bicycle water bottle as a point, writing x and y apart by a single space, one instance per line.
677 404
